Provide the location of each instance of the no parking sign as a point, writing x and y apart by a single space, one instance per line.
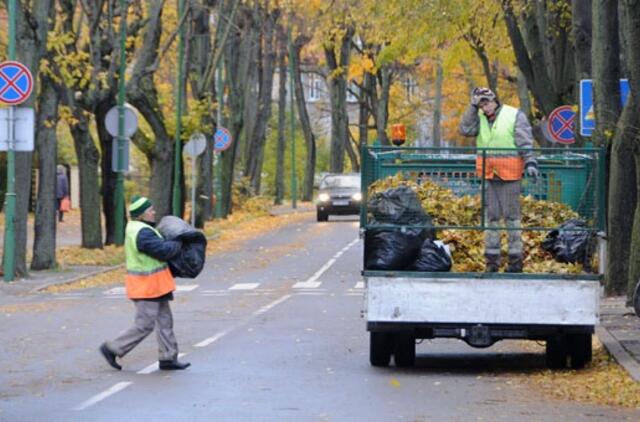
561 124
16 82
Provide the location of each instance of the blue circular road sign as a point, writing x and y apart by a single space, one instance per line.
222 139
561 124
16 82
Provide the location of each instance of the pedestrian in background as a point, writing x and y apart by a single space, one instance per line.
505 142
150 285
62 191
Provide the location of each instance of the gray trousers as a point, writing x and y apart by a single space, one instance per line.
149 315
502 202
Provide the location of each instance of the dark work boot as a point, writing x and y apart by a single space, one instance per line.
172 365
110 357
515 264
492 263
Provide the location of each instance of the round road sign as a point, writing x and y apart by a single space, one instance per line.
196 145
561 124
130 121
16 83
222 139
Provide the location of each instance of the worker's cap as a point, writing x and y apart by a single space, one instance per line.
481 94
139 204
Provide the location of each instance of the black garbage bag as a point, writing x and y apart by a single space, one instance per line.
392 249
189 262
400 206
568 245
432 257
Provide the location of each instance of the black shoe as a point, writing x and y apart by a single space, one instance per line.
173 365
515 264
110 357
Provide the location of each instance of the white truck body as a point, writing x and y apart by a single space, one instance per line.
482 301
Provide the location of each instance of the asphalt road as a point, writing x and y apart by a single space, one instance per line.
273 332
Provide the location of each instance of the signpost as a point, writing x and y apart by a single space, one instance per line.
587 116
16 84
120 148
196 146
561 125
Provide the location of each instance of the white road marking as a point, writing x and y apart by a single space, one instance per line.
223 333
311 283
101 396
244 286
359 285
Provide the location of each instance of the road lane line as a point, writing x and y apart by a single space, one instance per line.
359 285
223 333
271 305
311 283
244 286
101 396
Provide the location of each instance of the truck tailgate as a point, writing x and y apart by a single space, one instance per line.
483 300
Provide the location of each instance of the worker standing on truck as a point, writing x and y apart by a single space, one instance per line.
504 141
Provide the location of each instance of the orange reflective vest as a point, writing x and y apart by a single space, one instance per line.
497 151
147 277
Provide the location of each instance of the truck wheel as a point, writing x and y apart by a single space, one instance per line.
379 349
322 216
557 352
580 349
404 351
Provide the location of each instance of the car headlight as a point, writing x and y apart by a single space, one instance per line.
357 196
323 197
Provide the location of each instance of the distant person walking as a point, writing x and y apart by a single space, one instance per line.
150 285
62 191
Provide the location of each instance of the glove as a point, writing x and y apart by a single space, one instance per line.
532 171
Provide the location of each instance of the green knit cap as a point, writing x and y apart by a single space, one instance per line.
139 204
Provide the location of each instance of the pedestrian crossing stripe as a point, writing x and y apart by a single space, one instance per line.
179 288
244 286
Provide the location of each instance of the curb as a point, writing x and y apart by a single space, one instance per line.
76 278
619 353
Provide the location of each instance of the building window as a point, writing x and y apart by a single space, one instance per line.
409 87
352 91
314 87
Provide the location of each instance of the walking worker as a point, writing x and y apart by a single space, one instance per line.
504 141
62 190
150 285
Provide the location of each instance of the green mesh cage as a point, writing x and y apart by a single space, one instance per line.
570 185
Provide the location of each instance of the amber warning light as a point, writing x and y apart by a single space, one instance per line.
398 134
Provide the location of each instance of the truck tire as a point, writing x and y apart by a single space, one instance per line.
322 216
380 345
580 349
404 351
557 352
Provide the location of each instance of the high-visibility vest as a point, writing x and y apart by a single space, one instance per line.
504 162
147 277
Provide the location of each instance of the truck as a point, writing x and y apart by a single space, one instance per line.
561 309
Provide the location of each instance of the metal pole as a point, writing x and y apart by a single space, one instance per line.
179 98
217 158
294 187
10 203
193 190
121 142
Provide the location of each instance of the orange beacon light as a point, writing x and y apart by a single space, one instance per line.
398 134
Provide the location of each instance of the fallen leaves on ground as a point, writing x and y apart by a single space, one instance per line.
602 382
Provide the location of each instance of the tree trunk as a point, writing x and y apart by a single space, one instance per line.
437 106
631 9
581 18
258 135
109 178
305 123
31 32
282 116
88 158
44 240
338 67
382 104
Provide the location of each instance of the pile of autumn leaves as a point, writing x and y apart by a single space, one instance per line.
467 246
